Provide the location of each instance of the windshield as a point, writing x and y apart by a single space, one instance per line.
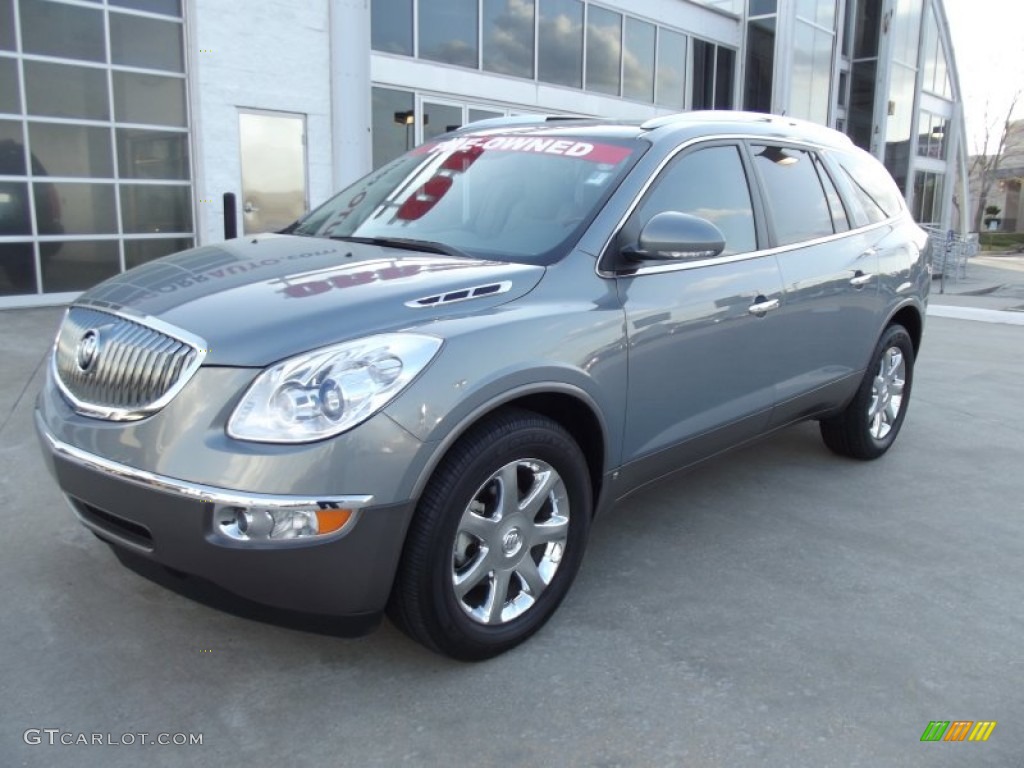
512 197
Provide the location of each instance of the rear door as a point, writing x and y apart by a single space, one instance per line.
829 317
701 362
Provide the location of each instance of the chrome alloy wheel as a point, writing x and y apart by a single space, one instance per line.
887 393
510 541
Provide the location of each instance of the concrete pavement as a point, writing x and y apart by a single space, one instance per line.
777 606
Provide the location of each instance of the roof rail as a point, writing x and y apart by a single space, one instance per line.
736 116
518 120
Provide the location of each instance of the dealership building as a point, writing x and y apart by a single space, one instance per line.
123 123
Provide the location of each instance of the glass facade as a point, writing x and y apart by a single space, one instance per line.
604 51
935 74
671 69
95 174
813 50
508 37
713 75
928 197
96 157
570 43
760 74
448 31
402 119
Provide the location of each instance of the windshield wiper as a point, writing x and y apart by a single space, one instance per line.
410 243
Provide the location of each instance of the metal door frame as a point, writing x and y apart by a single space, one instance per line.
305 153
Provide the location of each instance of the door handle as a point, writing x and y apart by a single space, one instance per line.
762 305
859 279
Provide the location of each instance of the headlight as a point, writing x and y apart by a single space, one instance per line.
327 391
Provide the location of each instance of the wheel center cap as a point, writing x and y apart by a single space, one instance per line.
512 542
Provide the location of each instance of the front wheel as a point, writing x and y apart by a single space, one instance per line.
497 538
869 424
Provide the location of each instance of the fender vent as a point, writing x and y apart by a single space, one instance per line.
460 294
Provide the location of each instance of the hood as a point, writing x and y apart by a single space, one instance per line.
258 300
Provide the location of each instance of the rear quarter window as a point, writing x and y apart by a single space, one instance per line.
871 187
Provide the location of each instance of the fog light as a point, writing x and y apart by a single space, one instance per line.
254 523
272 524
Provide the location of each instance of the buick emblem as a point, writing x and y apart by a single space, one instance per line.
512 542
88 350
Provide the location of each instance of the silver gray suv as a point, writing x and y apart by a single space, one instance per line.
417 397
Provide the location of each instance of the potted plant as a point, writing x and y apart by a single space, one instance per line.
992 220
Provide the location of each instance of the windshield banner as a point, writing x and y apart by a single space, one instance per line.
584 150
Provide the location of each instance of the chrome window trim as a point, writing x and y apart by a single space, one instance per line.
675 267
193 491
115 413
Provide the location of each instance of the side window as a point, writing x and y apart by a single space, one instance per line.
796 199
840 221
871 185
709 183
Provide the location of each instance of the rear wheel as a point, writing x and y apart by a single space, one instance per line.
497 538
869 424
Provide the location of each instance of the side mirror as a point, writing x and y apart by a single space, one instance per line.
673 236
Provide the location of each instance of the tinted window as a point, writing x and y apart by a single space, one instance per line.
840 221
156 208
145 43
440 118
448 31
703 96
12 149
724 77
560 44
70 150
67 31
140 251
7 26
671 68
10 95
391 26
79 264
871 185
167 7
709 183
604 50
67 208
638 62
17 266
56 90
145 154
796 198
393 126
508 37
149 99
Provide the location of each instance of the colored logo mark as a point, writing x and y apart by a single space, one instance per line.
958 730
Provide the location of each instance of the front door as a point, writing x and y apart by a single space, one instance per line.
702 335
273 155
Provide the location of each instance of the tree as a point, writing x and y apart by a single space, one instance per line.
985 166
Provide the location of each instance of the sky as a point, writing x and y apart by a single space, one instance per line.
988 42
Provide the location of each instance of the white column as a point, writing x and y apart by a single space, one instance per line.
351 116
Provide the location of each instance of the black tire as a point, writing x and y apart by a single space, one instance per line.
424 603
854 432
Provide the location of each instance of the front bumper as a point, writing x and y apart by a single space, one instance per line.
172 522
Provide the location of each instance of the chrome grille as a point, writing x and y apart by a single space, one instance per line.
135 369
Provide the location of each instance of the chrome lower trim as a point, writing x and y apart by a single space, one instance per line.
196 491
